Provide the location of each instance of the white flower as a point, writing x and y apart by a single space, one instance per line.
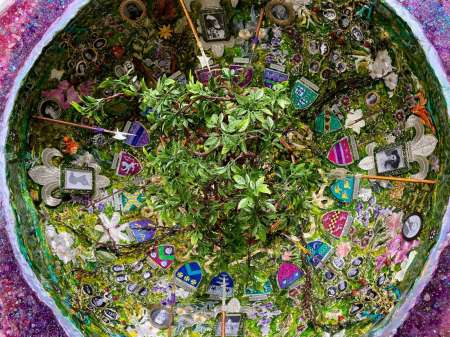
391 80
299 4
245 34
365 194
111 229
355 120
381 66
390 138
145 329
61 244
276 31
181 293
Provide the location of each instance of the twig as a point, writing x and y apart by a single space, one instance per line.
194 30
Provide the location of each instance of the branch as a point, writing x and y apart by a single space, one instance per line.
209 98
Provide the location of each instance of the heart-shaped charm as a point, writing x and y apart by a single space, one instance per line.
221 285
320 252
327 122
141 230
337 223
188 276
138 134
345 189
126 164
162 256
288 275
343 152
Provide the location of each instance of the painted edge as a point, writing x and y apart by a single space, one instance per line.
4 5
430 52
401 313
28 274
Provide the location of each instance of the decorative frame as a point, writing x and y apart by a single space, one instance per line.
55 104
124 11
276 18
90 55
410 238
65 188
218 16
401 150
235 318
155 311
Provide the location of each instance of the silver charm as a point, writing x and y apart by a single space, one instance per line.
48 175
417 150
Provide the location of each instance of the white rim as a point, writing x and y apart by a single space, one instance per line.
400 313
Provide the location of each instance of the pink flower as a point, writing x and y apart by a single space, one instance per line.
397 252
393 223
398 248
65 93
287 256
381 261
86 88
343 249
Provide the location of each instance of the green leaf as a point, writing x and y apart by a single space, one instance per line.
269 122
76 106
220 170
212 121
283 102
245 203
270 206
212 142
263 188
239 179
243 125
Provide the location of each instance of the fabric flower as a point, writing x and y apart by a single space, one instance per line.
394 223
61 244
145 329
65 93
181 293
300 4
381 66
343 249
398 248
391 81
381 261
111 229
245 34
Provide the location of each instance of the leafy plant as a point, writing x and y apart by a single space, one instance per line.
221 156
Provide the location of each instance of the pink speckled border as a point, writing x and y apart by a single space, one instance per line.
23 26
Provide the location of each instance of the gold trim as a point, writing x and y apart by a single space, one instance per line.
138 3
289 8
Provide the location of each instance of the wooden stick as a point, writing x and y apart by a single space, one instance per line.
406 180
81 126
297 244
258 28
61 122
194 31
191 24
224 297
341 173
222 331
